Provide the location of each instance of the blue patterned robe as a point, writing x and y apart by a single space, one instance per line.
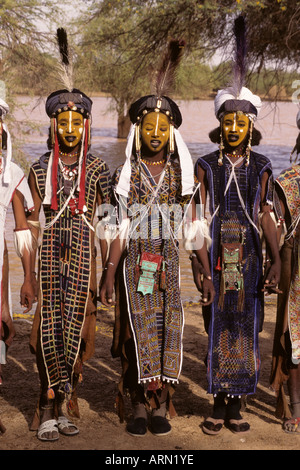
233 360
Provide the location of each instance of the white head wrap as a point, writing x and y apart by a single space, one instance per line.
244 94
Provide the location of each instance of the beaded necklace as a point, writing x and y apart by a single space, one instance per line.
148 162
66 154
68 172
235 155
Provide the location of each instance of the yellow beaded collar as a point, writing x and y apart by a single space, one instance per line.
148 162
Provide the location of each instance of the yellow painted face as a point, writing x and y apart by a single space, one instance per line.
235 128
155 131
70 128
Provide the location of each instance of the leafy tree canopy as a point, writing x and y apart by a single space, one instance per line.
122 41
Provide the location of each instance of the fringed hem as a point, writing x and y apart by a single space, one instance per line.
162 378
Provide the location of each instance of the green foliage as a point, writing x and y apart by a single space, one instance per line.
122 42
273 31
118 45
125 40
23 64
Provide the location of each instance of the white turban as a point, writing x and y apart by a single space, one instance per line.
228 94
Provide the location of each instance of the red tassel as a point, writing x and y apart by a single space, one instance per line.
81 202
218 267
54 205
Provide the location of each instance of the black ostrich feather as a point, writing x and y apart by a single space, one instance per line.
166 74
65 68
62 41
240 66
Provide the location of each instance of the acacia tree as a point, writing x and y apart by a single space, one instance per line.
25 34
121 41
273 28
273 31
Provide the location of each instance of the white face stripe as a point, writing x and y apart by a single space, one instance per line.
156 127
70 126
234 122
70 121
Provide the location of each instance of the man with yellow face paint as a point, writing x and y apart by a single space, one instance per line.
151 190
238 182
70 129
68 182
235 127
155 134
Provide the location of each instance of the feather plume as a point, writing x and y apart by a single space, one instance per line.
62 41
166 75
240 67
65 70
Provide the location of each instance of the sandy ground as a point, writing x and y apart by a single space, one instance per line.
99 425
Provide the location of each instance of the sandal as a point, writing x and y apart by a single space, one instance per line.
47 427
295 423
212 426
63 422
238 425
